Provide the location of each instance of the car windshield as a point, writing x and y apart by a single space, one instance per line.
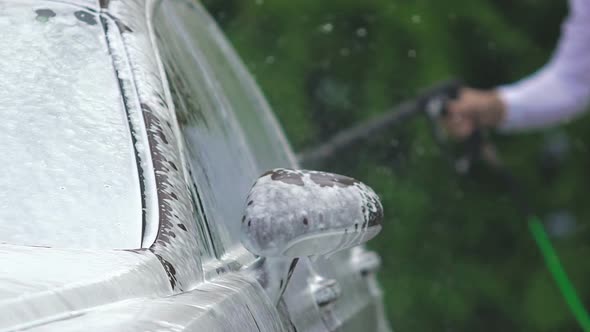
69 175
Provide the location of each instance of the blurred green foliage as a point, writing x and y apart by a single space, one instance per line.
456 254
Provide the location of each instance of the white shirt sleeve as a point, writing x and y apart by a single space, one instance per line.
561 89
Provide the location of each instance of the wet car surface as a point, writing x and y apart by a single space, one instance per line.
132 136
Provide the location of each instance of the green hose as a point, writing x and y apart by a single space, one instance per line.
554 266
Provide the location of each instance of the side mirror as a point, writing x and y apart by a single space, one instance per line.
296 213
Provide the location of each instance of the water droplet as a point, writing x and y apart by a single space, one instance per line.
344 51
259 2
416 19
326 28
561 224
411 53
269 59
361 32
462 165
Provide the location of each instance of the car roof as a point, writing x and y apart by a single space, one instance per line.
69 165
90 4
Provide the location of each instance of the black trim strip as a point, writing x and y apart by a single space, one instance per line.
140 171
216 252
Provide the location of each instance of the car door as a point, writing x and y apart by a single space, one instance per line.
231 138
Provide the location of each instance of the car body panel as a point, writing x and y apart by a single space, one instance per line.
229 303
40 285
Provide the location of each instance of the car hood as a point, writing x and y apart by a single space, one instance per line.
39 285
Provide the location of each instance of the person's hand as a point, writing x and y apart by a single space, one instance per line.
474 109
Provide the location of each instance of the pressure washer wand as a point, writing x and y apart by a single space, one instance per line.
371 128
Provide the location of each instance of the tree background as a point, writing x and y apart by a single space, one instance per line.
456 254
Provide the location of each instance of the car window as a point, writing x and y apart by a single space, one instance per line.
69 174
263 134
222 162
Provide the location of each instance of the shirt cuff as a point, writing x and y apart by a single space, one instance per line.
512 116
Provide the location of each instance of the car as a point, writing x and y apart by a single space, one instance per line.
147 186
